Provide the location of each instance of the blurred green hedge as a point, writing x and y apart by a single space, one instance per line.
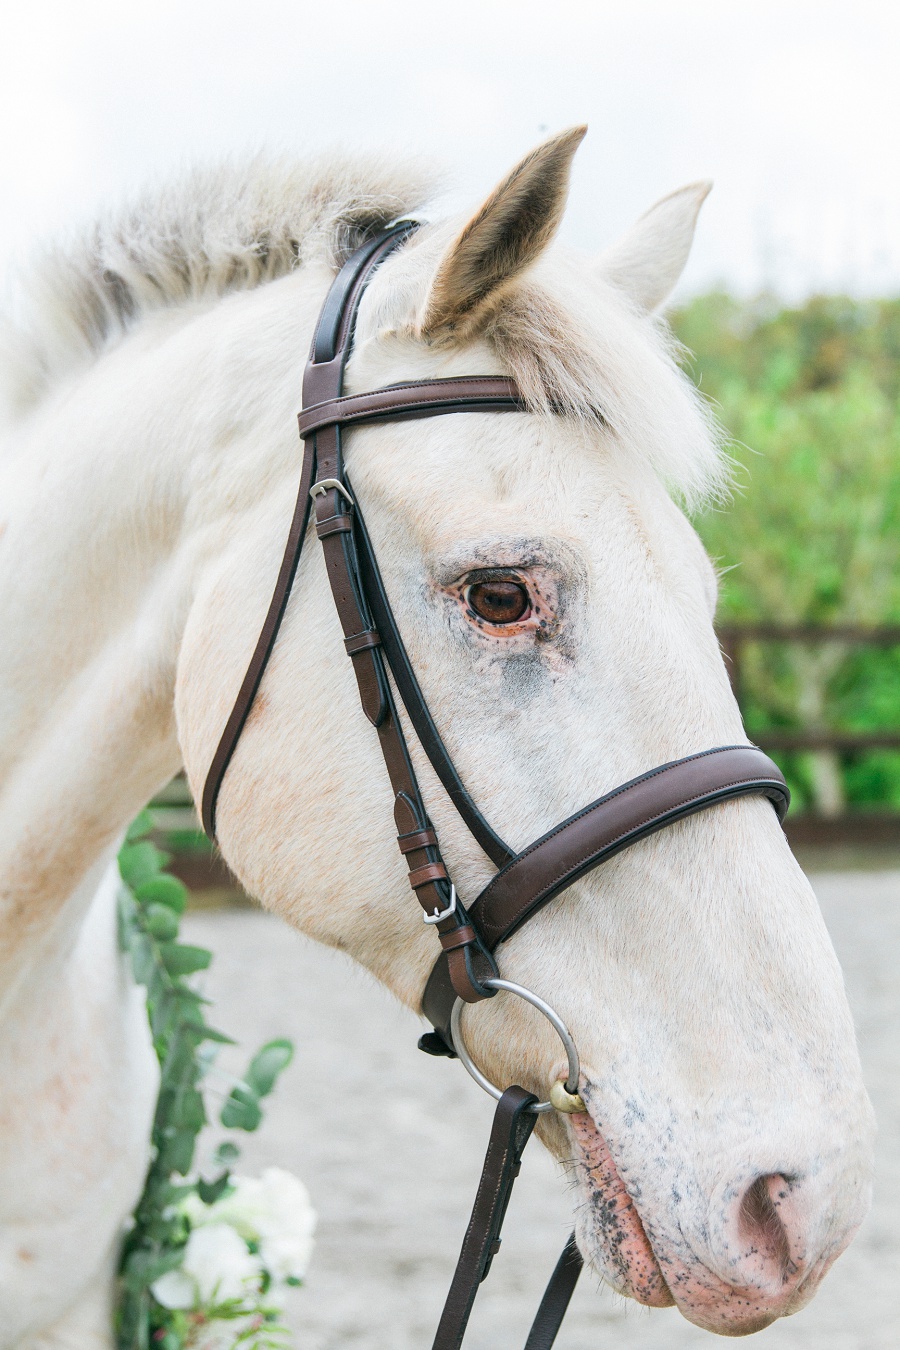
809 398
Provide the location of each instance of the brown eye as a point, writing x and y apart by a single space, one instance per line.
499 601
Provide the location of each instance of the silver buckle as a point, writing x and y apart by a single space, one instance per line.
324 484
440 915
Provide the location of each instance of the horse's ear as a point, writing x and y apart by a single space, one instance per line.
647 262
502 239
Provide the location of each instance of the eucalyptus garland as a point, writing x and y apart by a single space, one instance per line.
150 907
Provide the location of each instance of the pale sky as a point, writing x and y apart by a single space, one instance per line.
792 107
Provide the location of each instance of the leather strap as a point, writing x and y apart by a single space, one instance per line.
612 823
511 1130
331 347
467 959
261 652
557 1297
414 701
419 398
629 813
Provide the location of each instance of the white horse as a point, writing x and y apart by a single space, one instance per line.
149 468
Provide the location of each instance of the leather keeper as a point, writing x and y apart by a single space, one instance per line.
408 843
423 876
334 525
371 686
458 937
361 642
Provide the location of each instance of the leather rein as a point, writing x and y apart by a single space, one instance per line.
465 968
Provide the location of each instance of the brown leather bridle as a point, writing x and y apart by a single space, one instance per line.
469 934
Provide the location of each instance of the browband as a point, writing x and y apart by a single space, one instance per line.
421 398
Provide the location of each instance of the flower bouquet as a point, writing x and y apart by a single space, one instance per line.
205 1264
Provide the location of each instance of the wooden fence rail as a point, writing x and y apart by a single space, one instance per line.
865 832
734 638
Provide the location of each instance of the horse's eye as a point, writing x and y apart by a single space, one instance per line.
499 601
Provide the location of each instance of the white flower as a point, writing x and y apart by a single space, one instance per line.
174 1289
272 1211
217 1266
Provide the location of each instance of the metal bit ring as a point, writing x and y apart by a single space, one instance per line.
559 1026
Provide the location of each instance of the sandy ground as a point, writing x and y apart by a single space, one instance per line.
390 1144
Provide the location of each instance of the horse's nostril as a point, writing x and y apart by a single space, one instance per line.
761 1227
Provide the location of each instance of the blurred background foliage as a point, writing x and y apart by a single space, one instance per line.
809 398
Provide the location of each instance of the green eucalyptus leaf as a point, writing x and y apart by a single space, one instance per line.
172 1194
143 1267
163 889
141 825
150 904
267 1064
210 1034
143 958
138 862
161 922
161 1010
242 1110
177 1153
211 1191
180 959
189 1112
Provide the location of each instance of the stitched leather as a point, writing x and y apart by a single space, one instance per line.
414 702
331 346
421 398
420 876
361 642
417 839
605 827
629 813
511 1130
459 937
333 525
263 649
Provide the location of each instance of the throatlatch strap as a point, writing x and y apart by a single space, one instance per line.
264 644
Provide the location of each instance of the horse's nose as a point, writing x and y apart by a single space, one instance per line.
766 1232
758 1257
761 1257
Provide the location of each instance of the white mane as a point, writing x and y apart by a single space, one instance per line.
580 348
228 227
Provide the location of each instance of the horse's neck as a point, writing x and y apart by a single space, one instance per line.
117 498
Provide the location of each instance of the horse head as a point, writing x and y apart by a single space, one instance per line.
558 609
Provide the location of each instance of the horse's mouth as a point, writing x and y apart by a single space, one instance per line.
612 1236
612 1224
